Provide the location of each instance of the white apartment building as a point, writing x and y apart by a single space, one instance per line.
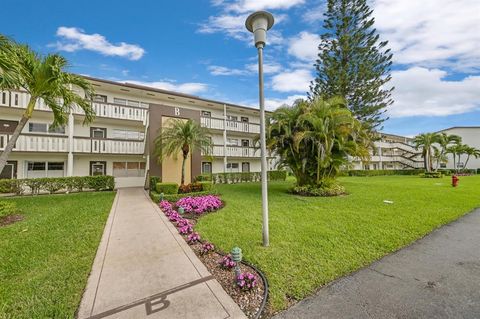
471 136
120 140
391 152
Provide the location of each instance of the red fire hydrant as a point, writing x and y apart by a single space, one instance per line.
454 180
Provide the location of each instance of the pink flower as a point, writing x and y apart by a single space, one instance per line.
187 229
226 262
199 205
246 281
206 248
193 238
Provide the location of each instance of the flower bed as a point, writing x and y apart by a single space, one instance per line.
248 290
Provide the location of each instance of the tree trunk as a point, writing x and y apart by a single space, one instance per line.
425 161
466 162
182 182
13 139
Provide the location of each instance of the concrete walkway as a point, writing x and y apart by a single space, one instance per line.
436 277
144 268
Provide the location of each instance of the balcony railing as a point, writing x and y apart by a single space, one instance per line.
19 99
233 151
59 144
235 126
37 143
107 146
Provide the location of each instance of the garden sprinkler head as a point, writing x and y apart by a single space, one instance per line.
181 210
161 196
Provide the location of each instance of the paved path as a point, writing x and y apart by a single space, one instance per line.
436 277
144 268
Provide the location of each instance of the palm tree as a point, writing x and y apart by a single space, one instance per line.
42 77
183 136
426 141
471 151
444 141
456 150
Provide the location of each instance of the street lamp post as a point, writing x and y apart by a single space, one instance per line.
258 23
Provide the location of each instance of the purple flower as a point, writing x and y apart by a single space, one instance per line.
199 205
174 216
187 229
193 238
206 248
183 222
226 262
246 281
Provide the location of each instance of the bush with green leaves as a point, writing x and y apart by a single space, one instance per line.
154 180
175 197
432 175
329 188
203 177
7 208
206 186
167 188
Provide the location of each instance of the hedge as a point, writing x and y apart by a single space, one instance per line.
7 208
166 188
232 178
206 186
55 184
381 172
432 175
175 197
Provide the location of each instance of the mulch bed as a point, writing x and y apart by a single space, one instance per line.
249 301
10 219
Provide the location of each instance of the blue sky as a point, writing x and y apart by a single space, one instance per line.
202 48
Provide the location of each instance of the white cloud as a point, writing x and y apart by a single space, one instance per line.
432 33
292 81
268 68
273 104
222 70
255 5
304 46
314 15
74 39
423 92
188 88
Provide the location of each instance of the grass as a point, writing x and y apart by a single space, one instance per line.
316 240
46 258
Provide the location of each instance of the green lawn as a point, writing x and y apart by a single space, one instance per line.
46 258
315 240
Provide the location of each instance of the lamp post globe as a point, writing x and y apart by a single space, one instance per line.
259 23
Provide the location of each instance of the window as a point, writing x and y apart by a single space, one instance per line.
16 99
206 167
232 167
128 135
206 113
56 130
119 101
4 97
133 103
55 166
443 165
244 119
100 98
245 167
98 132
129 169
232 118
36 166
245 143
37 127
232 142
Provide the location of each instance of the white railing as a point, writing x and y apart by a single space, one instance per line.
106 146
235 126
233 151
402 146
37 143
20 100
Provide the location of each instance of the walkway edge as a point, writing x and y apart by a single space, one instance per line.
88 298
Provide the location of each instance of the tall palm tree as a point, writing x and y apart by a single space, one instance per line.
456 150
42 77
444 140
471 151
426 141
183 136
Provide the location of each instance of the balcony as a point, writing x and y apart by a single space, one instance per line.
37 143
232 126
60 144
17 99
107 146
233 151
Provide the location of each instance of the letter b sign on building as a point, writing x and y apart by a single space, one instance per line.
177 111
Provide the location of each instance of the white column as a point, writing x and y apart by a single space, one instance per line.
70 144
225 160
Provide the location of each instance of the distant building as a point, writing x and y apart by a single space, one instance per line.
471 136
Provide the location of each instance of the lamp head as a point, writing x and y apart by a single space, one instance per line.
259 23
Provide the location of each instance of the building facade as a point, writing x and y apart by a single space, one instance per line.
120 141
391 152
470 136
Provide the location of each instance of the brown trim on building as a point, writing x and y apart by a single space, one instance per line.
7 126
157 111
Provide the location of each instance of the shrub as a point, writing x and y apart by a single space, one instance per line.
9 186
203 178
277 175
246 281
190 188
193 238
34 184
325 191
52 185
100 182
154 180
7 208
167 188
226 262
432 175
206 186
